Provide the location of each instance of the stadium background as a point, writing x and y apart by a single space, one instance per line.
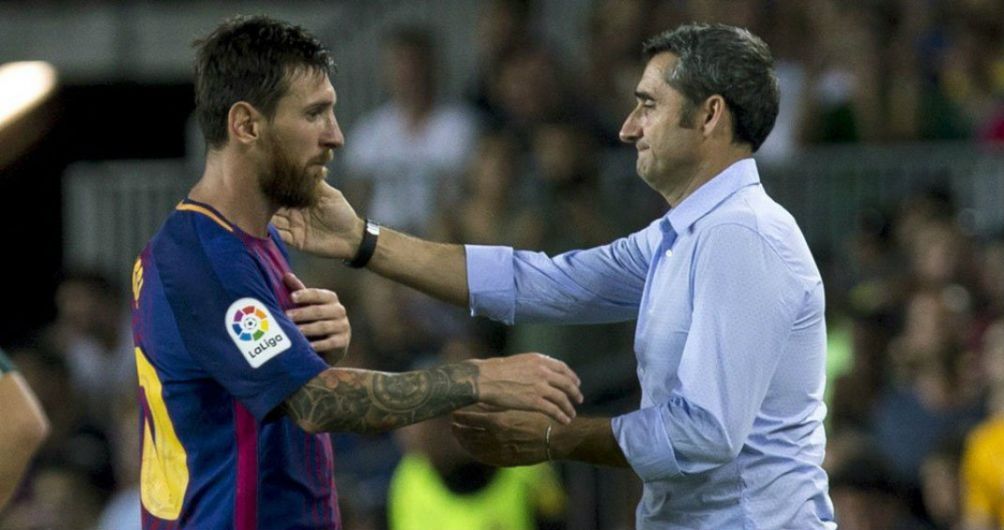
887 151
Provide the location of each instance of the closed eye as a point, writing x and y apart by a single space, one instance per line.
315 111
644 99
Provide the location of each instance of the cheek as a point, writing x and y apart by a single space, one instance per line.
655 127
299 142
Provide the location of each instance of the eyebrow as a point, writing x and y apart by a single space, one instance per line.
641 94
318 105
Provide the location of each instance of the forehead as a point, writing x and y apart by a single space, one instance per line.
653 79
307 86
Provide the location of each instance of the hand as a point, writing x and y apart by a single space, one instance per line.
530 381
320 317
330 228
502 438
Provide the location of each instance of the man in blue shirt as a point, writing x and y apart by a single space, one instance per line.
730 337
235 400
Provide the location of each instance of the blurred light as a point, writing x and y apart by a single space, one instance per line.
24 86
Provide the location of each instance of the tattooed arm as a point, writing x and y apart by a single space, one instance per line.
367 401
343 399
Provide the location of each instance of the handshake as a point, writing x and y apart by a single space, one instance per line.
518 396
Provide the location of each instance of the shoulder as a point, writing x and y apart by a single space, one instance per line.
750 218
193 253
752 208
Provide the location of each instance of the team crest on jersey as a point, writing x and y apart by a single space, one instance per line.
257 335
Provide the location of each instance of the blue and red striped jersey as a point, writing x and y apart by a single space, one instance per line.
216 355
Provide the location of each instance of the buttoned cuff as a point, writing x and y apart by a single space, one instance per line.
491 282
645 443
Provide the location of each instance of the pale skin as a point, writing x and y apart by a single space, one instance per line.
674 160
304 127
22 431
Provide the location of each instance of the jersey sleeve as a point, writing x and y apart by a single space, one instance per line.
232 325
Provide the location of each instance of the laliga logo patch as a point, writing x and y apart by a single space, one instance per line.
257 335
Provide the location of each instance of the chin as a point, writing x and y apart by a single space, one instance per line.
642 170
646 177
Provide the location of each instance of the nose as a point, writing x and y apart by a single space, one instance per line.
631 130
332 137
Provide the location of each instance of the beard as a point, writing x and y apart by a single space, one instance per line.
285 183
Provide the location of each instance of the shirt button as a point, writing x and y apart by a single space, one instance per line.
669 253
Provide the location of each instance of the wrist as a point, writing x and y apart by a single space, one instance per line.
559 443
364 241
547 442
355 237
480 392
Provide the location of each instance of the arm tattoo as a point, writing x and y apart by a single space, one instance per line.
341 399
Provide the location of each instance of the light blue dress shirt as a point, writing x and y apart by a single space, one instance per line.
731 347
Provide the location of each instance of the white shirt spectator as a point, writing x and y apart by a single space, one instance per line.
410 167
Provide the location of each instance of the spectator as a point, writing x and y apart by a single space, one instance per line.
983 458
865 498
438 485
92 335
489 210
939 479
502 27
928 400
408 152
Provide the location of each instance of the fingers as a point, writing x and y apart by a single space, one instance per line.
562 387
531 382
332 343
313 296
558 408
472 439
281 219
318 304
477 442
562 368
283 222
472 419
314 313
483 408
566 385
323 328
292 282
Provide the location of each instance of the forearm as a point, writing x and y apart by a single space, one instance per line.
589 440
349 400
437 269
22 431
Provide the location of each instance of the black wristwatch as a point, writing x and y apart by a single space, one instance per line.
367 247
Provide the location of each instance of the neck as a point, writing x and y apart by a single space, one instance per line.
230 185
416 109
705 169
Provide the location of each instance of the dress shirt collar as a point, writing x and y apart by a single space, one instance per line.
705 198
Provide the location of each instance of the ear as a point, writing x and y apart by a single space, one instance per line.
714 112
244 122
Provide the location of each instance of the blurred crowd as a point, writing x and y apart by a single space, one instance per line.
529 157
916 383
